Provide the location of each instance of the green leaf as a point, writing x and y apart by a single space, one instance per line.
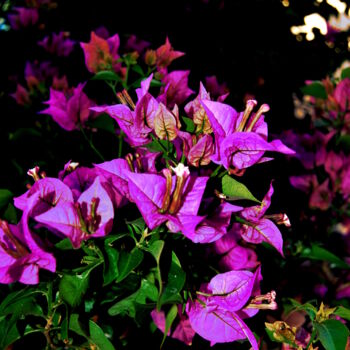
5 197
156 83
344 143
98 337
128 262
103 122
110 271
156 249
332 334
138 70
176 281
160 146
308 307
10 214
315 89
9 332
73 287
146 291
24 132
106 75
169 320
125 306
189 125
75 325
236 190
65 244
318 253
345 73
343 312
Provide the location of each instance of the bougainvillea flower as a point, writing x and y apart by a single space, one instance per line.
165 123
235 257
136 121
24 17
341 94
195 110
58 44
101 54
136 44
304 183
259 228
171 199
215 317
165 54
20 255
43 195
183 330
176 89
114 173
22 96
333 165
90 216
72 112
79 180
200 154
240 138
60 84
216 89
321 196
213 226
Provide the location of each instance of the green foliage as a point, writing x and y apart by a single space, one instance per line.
236 190
332 334
315 89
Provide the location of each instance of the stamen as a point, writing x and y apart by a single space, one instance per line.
138 162
81 219
21 250
248 109
258 302
280 219
34 173
166 199
121 98
129 158
182 172
263 109
128 99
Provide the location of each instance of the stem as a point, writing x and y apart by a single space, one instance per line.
216 171
313 335
91 144
120 144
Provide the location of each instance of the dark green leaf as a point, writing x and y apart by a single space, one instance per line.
65 244
156 83
110 271
318 253
106 75
333 334
343 312
160 146
315 89
9 333
308 307
73 287
5 197
236 190
146 291
10 214
156 249
24 132
189 125
125 306
128 262
99 338
138 70
345 73
344 143
176 281
138 225
75 326
170 317
103 122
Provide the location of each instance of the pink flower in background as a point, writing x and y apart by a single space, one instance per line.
21 256
101 54
165 54
24 17
58 44
69 112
